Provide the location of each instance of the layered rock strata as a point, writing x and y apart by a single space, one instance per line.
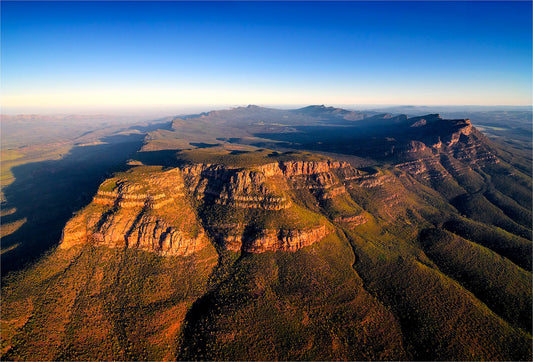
155 210
236 238
433 136
287 240
142 212
168 212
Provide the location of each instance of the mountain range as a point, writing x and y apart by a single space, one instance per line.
316 233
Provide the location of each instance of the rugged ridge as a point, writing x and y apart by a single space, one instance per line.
156 210
418 249
431 136
146 212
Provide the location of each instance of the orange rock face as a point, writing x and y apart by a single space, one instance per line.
156 211
286 240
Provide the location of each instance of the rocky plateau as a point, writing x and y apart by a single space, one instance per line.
159 212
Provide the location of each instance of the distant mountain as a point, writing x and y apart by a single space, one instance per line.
323 111
308 234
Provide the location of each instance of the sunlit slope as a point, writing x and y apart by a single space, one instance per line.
87 304
306 305
499 283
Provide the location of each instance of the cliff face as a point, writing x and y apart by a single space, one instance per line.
275 206
446 151
287 240
242 188
299 168
157 211
433 135
147 211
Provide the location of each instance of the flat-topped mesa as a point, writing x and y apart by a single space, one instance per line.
154 210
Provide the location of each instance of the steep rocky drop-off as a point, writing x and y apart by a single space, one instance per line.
146 210
159 210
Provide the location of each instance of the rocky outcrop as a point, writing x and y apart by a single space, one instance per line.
286 240
139 210
237 238
154 201
324 179
353 221
455 147
145 231
249 188
418 138
243 188
425 169
155 210
297 168
371 181
464 127
419 123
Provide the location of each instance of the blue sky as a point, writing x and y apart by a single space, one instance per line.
136 55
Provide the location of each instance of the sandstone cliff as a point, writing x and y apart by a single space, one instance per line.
436 136
146 210
155 210
275 206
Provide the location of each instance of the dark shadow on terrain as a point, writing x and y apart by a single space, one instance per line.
199 322
165 158
153 127
361 140
237 152
204 145
369 170
194 339
47 193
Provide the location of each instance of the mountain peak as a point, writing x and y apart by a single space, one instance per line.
317 107
249 107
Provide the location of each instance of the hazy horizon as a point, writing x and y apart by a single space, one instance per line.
79 57
169 111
